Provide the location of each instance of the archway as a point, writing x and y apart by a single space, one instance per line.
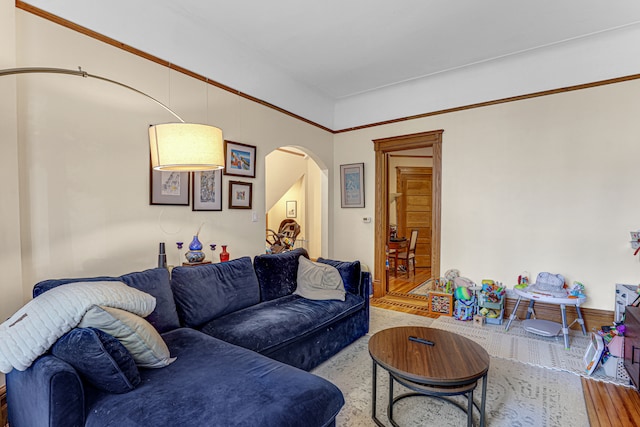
301 193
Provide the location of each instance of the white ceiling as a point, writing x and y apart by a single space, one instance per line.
310 56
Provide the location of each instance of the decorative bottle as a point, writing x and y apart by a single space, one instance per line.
195 253
162 257
224 255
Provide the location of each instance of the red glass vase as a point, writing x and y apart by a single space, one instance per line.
224 255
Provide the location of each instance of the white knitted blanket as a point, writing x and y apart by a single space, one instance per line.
33 329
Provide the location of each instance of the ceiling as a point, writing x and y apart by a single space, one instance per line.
292 53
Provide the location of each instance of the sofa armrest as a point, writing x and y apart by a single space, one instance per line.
365 284
49 393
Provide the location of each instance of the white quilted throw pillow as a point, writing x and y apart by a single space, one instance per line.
33 329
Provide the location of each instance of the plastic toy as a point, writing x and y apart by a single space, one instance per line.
462 293
577 291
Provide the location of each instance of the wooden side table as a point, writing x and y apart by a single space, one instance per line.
451 365
193 264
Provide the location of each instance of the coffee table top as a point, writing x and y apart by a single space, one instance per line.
452 360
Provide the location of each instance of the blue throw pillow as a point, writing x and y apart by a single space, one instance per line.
350 273
278 273
99 358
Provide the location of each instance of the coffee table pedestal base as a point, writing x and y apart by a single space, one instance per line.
419 390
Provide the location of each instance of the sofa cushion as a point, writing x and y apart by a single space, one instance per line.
350 273
273 324
99 358
318 281
278 273
136 334
216 383
208 291
154 282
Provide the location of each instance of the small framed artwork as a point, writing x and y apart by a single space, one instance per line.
239 195
169 188
207 191
352 185
292 208
441 303
240 159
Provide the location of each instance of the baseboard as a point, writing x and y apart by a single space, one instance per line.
3 406
593 318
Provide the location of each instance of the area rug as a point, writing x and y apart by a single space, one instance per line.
518 394
519 345
423 288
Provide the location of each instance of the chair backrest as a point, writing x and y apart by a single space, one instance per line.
289 228
413 241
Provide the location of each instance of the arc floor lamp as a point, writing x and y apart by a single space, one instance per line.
178 146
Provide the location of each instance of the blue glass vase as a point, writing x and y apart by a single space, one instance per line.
195 253
195 244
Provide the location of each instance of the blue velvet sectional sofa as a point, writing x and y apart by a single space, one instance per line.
242 342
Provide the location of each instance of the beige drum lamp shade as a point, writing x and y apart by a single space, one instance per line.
186 147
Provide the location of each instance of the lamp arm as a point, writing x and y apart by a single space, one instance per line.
81 73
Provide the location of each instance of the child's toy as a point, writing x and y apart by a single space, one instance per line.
594 353
464 309
523 281
462 293
491 301
577 291
441 303
478 320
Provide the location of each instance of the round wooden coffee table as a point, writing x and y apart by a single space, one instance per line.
431 362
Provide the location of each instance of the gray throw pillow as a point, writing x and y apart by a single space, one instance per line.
319 281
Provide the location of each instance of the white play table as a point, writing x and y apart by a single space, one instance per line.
562 302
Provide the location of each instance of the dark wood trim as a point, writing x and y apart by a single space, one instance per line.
3 406
495 102
68 24
100 37
398 143
399 156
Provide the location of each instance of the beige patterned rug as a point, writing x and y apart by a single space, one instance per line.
521 346
518 394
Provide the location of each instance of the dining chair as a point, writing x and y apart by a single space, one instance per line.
408 257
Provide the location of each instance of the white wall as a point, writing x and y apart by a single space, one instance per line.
84 180
282 169
10 247
545 184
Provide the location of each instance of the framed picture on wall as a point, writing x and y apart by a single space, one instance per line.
169 188
352 185
292 208
239 195
240 159
207 191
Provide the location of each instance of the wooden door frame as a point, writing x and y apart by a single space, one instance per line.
382 147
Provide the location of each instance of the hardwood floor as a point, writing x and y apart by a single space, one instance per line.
607 404
402 283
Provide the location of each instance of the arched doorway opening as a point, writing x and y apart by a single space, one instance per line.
296 187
